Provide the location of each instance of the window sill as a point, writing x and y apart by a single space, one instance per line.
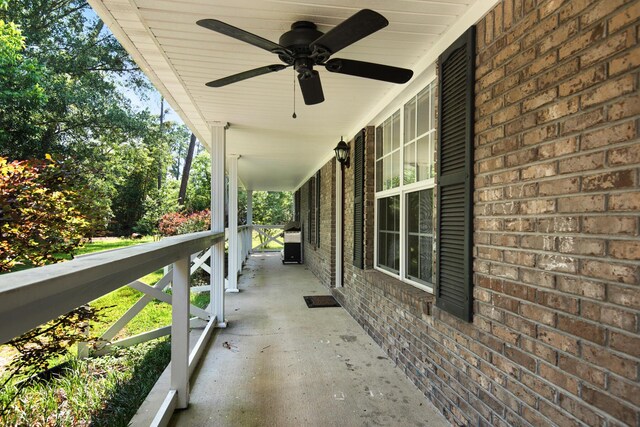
416 301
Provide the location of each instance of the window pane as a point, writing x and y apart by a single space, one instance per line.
433 106
396 130
386 137
409 172
419 261
424 157
379 138
410 120
395 174
379 172
388 234
424 112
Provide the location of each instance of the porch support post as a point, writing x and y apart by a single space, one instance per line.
339 223
180 332
232 274
218 145
249 235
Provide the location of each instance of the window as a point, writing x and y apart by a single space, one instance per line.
404 191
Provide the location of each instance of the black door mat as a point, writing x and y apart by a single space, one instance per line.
318 301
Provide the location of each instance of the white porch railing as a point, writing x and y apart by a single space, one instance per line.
267 238
31 297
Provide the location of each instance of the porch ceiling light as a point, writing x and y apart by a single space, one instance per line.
342 153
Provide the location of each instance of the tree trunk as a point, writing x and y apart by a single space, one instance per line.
160 171
185 172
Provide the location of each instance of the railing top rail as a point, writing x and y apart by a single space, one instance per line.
267 226
31 297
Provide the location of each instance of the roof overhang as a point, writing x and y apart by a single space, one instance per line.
279 152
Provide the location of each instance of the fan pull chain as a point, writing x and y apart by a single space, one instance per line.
294 95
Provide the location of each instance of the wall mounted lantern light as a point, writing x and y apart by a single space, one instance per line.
342 153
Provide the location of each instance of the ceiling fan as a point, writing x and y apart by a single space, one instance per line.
304 47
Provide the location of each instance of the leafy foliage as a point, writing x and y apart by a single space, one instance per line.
39 217
176 223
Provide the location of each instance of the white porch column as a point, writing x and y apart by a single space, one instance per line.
249 236
180 332
232 274
218 145
339 223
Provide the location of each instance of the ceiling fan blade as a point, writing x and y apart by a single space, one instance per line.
358 26
311 88
242 35
246 75
369 70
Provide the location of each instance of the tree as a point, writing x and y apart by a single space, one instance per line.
187 169
39 214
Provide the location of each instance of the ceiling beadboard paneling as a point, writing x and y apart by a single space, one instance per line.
277 152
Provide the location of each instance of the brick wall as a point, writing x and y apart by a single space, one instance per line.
321 258
554 338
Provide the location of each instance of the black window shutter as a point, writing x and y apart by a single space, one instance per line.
454 269
358 201
296 206
310 217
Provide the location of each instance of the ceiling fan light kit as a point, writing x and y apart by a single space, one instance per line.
304 47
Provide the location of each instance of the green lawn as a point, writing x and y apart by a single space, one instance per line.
103 391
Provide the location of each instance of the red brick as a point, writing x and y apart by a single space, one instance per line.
544 243
582 41
505 115
598 11
506 145
524 122
560 341
490 136
624 343
609 90
626 107
609 180
523 58
559 186
534 382
624 156
580 328
518 224
559 378
553 412
519 357
624 17
609 47
623 225
505 54
538 313
625 249
559 36
505 177
506 366
518 93
558 148
504 240
624 201
626 297
579 122
491 165
558 224
505 208
520 258
582 370
490 107
540 134
628 61
540 64
582 287
553 76
593 203
504 334
538 349
579 410
558 302
573 8
581 246
609 315
540 99
557 110
599 356
609 405
629 391
533 207
519 191
621 273
565 264
582 163
522 157
612 134
491 78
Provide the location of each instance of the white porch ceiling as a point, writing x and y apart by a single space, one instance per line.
278 152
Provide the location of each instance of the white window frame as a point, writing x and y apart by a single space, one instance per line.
402 190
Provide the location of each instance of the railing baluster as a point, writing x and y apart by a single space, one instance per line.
180 332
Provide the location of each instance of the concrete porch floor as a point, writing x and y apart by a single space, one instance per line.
279 363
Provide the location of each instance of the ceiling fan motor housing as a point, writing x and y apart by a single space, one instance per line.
297 40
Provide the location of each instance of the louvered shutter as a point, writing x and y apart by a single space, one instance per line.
455 177
358 201
310 217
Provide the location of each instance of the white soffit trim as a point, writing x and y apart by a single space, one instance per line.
424 71
161 72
